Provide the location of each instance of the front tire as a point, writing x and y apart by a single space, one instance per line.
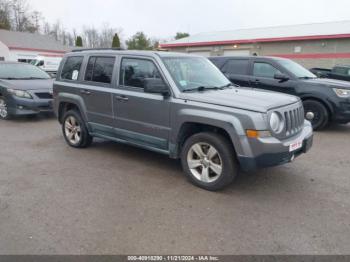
74 130
209 161
4 114
318 111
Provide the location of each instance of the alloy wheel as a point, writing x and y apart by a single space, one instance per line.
72 130
3 108
313 114
204 162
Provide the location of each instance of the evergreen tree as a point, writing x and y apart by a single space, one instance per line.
116 41
79 41
139 41
180 35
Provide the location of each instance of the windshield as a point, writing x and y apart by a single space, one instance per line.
194 72
34 62
21 71
296 69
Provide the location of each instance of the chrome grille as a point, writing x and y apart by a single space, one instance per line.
294 119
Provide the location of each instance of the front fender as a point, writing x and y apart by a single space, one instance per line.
228 122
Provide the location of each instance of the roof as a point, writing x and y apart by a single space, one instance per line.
245 57
129 52
31 42
328 30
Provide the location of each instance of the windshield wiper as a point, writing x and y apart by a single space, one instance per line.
307 77
202 88
229 85
9 78
22 78
32 78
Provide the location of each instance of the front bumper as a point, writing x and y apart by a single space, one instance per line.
23 106
342 112
272 152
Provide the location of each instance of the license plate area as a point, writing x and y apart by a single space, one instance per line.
295 146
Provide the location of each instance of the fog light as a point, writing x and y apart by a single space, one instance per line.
20 107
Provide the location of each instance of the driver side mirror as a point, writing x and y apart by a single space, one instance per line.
156 86
281 77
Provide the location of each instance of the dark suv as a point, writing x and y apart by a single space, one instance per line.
339 72
324 100
179 105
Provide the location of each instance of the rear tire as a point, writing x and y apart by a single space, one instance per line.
209 161
320 112
4 114
74 130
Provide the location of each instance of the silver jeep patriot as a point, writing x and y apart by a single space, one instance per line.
180 105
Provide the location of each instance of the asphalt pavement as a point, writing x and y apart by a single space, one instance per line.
116 199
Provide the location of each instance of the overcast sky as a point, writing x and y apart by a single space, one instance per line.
163 18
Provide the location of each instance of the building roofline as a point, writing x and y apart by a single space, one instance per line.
37 50
257 40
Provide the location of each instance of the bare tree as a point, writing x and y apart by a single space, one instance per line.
16 15
106 35
46 28
36 18
56 30
91 37
5 15
20 18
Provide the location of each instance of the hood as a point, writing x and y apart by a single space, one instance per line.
326 82
243 98
25 85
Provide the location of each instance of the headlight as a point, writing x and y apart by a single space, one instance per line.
342 92
20 93
276 122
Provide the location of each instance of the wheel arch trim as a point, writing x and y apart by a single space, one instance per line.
226 122
71 99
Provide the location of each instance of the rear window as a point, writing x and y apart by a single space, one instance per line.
100 69
71 68
236 66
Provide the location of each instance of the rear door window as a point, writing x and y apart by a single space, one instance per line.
71 68
236 66
264 70
341 70
100 69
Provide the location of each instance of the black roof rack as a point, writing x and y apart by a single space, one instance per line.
97 49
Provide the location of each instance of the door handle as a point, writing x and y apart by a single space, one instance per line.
122 98
255 82
85 92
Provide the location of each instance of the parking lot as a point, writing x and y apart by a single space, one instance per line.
116 199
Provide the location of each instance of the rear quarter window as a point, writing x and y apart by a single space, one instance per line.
71 68
236 66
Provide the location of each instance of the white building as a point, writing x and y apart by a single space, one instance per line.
24 47
312 45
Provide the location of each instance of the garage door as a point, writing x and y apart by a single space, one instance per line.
236 52
201 53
